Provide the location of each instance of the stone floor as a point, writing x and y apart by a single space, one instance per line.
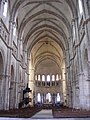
43 115
44 119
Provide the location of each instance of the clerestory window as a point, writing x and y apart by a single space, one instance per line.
57 77
53 77
58 97
38 77
48 78
38 97
43 77
80 6
5 8
14 31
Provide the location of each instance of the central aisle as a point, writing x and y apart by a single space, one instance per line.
43 114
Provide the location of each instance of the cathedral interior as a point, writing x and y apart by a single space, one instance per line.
44 53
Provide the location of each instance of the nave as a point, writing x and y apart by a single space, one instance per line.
44 56
43 114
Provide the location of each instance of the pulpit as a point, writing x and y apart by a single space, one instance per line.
26 96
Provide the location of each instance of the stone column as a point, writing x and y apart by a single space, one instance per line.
50 80
80 78
63 84
55 80
88 86
31 82
1 7
86 5
81 88
8 67
69 54
17 81
6 104
3 88
67 74
45 80
77 65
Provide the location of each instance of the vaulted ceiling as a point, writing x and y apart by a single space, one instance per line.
44 27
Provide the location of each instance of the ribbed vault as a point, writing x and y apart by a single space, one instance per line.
44 26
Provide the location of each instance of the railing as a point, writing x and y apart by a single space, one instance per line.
48 84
